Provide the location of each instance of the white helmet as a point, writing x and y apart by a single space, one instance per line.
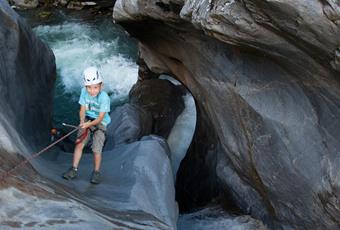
92 76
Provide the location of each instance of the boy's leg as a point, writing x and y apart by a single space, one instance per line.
78 151
95 177
84 136
97 146
72 172
97 159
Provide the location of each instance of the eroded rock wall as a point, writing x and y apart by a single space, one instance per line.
27 73
137 191
265 76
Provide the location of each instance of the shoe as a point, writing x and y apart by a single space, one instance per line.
95 177
71 173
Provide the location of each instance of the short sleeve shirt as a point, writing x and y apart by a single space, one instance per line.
95 105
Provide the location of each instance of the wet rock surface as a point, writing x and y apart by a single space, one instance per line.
27 65
162 99
129 124
265 80
137 187
137 191
214 217
25 4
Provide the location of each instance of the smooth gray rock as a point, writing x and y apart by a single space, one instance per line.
214 217
137 191
137 188
140 10
27 74
160 98
128 124
264 75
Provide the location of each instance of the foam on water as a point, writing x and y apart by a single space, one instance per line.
77 46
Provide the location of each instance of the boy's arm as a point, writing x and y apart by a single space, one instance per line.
94 122
82 114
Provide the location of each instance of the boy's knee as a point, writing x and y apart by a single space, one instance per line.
80 146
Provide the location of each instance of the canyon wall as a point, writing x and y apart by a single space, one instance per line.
265 77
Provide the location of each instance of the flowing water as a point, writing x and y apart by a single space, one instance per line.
77 45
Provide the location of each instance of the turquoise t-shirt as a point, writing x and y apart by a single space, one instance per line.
95 105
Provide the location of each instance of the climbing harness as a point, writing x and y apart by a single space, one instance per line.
85 133
82 136
3 177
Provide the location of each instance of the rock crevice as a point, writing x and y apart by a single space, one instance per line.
264 75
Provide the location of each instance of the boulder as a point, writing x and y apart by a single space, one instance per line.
264 75
25 4
26 77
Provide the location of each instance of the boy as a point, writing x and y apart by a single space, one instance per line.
93 114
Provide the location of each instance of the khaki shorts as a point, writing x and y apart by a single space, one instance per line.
98 137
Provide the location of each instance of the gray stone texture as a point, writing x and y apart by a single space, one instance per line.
25 4
162 100
27 74
137 191
128 124
265 76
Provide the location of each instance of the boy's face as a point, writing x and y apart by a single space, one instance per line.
93 90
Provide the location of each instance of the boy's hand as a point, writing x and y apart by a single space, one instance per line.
85 125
